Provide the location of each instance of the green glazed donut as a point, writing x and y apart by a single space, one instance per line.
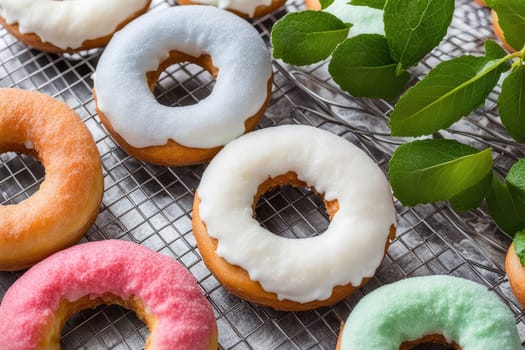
463 312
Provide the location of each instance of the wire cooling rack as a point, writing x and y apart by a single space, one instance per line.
152 205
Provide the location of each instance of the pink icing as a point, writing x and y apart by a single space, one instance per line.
185 319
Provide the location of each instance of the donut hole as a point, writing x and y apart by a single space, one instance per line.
430 342
21 174
288 207
182 80
432 346
100 323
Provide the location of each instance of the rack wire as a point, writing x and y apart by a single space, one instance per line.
151 205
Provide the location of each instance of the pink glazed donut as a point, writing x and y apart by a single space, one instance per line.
162 293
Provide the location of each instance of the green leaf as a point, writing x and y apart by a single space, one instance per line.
511 103
472 197
325 3
506 210
435 170
516 180
414 27
376 4
307 37
493 50
363 67
519 246
511 14
451 90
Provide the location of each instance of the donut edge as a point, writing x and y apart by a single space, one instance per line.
34 41
260 11
237 281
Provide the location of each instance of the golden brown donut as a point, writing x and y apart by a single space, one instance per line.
237 281
516 273
67 202
259 11
35 41
172 153
313 5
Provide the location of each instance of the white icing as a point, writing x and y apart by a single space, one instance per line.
67 24
245 6
300 270
240 90
364 19
28 144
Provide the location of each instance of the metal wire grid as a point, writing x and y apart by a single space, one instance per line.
151 205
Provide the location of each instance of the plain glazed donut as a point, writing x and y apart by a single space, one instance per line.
439 309
162 293
293 274
516 274
192 134
68 26
67 202
243 8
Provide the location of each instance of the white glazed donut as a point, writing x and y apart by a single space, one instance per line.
302 271
66 26
226 45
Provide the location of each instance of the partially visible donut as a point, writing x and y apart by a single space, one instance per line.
481 3
243 8
68 26
293 274
516 273
162 293
439 309
67 202
182 135
365 20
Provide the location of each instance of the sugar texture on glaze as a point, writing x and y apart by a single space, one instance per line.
460 310
300 270
67 24
185 319
240 89
245 6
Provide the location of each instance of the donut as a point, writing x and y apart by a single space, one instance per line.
365 20
162 293
67 202
499 32
480 3
182 135
446 310
293 274
243 8
67 26
516 274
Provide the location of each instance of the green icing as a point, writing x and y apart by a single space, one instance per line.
460 310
